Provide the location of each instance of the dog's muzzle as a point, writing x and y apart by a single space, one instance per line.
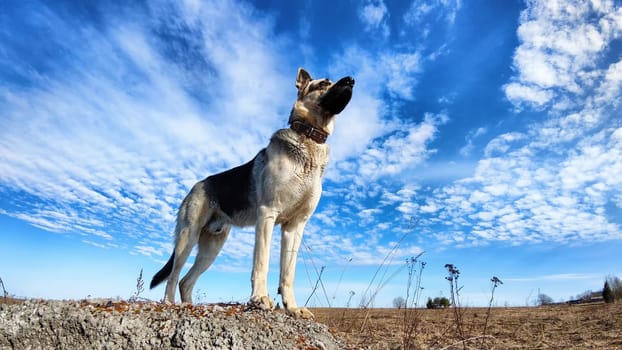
338 96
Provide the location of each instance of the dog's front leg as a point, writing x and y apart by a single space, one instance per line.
261 258
291 238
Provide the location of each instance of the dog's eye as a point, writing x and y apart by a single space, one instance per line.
320 85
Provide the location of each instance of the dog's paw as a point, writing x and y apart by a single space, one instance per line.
301 312
262 303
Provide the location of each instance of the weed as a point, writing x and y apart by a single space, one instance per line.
200 296
454 290
495 283
140 287
343 315
368 297
317 283
350 298
458 311
319 275
343 271
412 318
5 294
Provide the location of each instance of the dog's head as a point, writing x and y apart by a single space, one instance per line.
320 100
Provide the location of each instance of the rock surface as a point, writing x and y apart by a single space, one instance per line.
37 324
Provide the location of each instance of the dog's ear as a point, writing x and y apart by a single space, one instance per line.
302 79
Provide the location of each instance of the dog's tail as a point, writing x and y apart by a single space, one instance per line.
163 273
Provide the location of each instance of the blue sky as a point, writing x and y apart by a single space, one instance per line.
486 133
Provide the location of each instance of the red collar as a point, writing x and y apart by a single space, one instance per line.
317 135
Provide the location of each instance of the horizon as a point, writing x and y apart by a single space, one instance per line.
485 134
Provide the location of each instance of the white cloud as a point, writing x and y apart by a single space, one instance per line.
125 130
467 149
401 70
136 120
554 181
366 118
333 249
147 250
557 277
400 150
368 216
98 245
408 208
374 15
611 85
502 143
110 140
518 196
536 69
561 45
519 93
420 10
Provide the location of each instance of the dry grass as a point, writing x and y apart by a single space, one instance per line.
11 300
592 326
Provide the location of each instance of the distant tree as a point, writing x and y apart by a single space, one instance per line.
399 302
616 287
585 296
437 303
607 293
443 302
544 299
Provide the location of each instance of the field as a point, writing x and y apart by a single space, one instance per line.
587 326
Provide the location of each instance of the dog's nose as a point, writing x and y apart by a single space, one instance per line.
349 81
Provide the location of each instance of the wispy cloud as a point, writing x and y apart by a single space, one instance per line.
147 102
470 138
374 16
424 14
561 47
554 278
553 182
104 140
129 125
419 10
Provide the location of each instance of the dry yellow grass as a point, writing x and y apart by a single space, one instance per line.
592 326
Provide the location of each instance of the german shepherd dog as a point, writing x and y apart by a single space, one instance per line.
281 185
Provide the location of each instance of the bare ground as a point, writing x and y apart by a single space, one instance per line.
590 326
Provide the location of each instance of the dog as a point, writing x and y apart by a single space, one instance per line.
280 186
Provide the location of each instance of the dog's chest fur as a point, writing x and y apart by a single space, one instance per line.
286 176
290 179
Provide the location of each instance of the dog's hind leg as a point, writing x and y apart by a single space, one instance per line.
291 237
210 245
193 214
188 238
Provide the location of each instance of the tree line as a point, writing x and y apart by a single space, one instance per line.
611 292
